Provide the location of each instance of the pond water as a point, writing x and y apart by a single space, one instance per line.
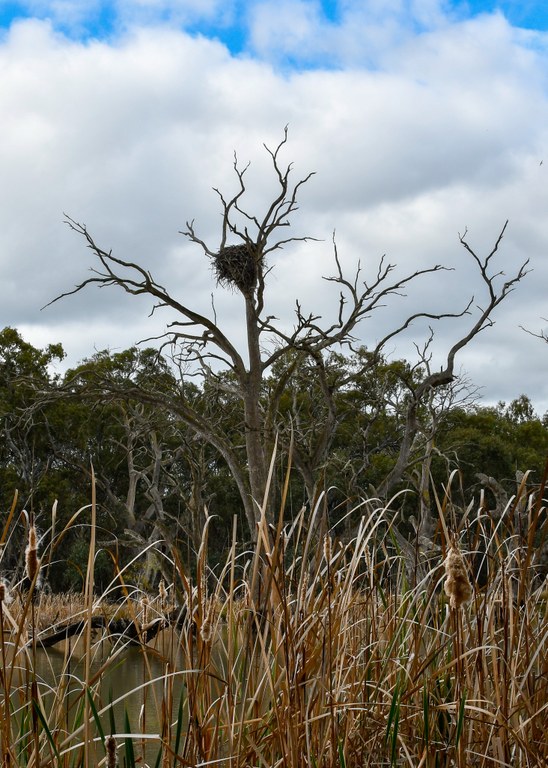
134 692
125 681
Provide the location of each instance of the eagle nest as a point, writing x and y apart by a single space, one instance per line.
236 266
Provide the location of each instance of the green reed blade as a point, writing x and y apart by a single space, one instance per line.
47 731
178 731
95 715
460 720
130 755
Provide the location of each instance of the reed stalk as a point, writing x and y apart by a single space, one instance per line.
88 605
307 652
5 744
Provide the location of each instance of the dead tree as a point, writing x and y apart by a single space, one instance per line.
433 380
241 263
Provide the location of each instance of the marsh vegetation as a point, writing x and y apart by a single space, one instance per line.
303 652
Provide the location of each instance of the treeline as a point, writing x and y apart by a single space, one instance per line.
156 474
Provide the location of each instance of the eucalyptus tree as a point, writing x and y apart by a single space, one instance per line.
24 457
149 471
242 261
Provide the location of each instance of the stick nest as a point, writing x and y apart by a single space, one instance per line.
236 266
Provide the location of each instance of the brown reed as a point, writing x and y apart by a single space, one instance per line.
325 659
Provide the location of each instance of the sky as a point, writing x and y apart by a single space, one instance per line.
421 120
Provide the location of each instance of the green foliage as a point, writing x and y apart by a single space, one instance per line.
339 421
493 441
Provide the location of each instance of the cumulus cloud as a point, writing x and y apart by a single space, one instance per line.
130 134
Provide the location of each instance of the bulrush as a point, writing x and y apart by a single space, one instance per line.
144 607
457 585
162 594
32 561
110 746
327 548
206 630
5 596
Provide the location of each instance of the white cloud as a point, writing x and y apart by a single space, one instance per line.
130 137
362 33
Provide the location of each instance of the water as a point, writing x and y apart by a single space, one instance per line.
121 681
136 692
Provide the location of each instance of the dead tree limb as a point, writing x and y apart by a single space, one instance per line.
495 295
134 633
197 340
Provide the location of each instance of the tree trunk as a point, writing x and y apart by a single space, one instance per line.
406 445
254 422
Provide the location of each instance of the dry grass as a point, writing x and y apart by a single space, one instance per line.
306 653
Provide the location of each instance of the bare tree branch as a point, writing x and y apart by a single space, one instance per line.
135 280
542 335
446 375
197 340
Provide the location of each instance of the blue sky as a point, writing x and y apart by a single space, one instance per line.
528 14
230 21
420 118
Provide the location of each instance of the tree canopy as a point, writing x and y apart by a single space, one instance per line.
165 445
155 477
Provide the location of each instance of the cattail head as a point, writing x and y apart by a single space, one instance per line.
206 630
457 585
162 593
33 542
327 548
144 611
110 747
5 596
303 588
32 561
